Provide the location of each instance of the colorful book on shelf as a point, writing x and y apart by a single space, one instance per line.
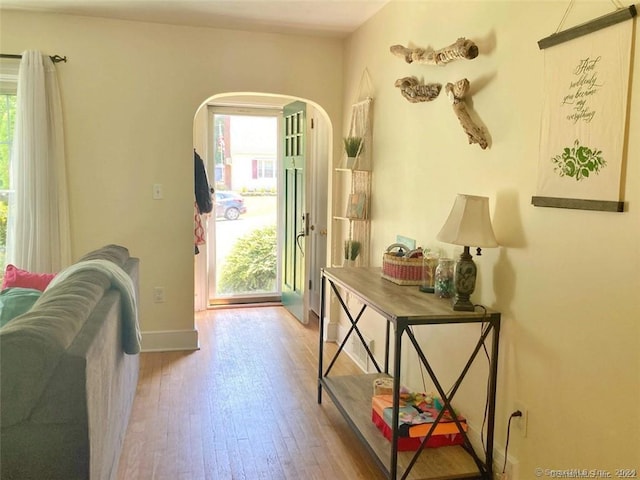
357 206
414 422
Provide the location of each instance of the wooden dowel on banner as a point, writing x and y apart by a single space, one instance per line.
578 204
588 27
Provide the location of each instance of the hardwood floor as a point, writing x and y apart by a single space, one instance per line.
242 407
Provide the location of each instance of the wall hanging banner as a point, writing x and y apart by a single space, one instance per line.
586 81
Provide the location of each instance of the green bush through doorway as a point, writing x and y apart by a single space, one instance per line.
251 264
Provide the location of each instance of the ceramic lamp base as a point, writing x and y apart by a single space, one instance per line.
464 280
463 305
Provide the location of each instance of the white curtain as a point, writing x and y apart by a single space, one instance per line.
38 237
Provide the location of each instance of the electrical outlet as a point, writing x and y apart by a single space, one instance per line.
158 294
521 422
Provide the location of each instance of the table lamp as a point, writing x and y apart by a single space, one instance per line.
468 224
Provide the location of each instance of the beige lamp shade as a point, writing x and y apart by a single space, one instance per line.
469 223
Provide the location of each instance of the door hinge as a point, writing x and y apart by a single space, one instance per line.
312 123
310 284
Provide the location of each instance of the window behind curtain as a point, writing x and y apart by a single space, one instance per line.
7 121
8 87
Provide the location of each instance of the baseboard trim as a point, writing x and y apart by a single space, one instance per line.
170 340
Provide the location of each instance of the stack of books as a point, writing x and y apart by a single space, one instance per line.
415 421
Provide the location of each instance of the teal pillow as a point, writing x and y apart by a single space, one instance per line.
16 301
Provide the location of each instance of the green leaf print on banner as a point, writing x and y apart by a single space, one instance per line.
578 162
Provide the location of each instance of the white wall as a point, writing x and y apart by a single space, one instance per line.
566 281
130 92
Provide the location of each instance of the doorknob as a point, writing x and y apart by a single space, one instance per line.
304 232
298 237
306 223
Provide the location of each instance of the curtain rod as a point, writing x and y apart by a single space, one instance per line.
54 58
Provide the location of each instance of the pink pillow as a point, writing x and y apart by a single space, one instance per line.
16 277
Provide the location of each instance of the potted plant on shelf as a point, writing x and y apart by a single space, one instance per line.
353 148
351 252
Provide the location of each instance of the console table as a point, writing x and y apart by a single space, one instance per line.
404 307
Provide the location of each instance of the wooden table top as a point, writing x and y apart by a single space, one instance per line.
400 303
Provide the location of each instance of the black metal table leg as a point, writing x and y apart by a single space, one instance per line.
493 377
321 334
396 402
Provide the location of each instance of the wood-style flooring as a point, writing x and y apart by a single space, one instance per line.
242 407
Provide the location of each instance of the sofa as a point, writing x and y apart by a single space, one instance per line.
68 373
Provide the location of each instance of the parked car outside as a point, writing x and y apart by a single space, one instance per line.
229 205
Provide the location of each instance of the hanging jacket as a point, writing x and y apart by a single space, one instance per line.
202 189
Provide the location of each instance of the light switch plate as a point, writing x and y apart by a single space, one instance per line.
158 192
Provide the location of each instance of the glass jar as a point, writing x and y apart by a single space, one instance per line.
444 278
429 264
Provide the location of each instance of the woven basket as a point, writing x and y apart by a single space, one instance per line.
406 270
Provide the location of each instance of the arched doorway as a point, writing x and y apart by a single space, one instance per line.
318 148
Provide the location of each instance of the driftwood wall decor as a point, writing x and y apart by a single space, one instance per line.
461 49
416 92
456 93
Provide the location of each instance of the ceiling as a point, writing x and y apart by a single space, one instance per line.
335 18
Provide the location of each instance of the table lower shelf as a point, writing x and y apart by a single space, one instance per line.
352 395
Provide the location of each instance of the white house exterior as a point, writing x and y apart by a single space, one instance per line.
253 148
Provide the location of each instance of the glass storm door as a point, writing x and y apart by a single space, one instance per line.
244 263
